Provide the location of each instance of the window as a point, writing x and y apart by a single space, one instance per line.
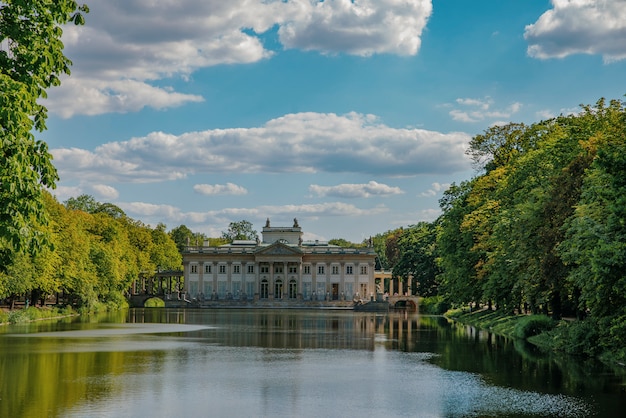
265 269
363 269
293 269
236 269
207 268
278 269
320 269
222 269
250 289
349 270
335 269
307 269
250 269
194 268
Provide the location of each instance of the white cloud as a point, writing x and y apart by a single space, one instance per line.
579 27
89 96
101 192
62 193
435 189
215 189
369 189
363 28
478 110
127 47
173 215
303 142
429 215
104 192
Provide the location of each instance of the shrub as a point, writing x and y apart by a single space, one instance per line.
154 303
533 325
434 305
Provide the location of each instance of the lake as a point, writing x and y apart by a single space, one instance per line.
289 363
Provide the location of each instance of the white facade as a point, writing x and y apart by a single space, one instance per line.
280 267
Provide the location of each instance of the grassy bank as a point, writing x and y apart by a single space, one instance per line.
512 326
576 338
32 313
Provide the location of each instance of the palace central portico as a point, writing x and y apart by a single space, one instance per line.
280 267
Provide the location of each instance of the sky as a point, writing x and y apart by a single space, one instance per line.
351 116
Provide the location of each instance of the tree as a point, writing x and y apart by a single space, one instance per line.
457 261
84 202
343 243
164 253
182 236
241 230
31 61
417 258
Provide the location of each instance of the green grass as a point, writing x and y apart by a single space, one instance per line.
512 326
32 313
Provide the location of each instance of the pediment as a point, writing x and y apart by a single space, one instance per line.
279 249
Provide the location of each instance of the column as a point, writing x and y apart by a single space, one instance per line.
342 290
285 281
229 285
314 281
214 278
299 281
270 291
201 280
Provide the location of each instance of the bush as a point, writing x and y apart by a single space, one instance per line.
434 305
533 325
154 303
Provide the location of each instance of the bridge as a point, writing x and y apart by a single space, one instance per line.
402 301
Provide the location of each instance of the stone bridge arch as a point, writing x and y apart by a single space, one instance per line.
399 301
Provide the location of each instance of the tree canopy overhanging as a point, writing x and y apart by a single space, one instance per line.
31 61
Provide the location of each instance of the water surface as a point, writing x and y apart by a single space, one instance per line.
288 363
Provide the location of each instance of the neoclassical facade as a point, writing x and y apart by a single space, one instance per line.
279 267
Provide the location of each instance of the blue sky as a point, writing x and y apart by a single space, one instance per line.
352 116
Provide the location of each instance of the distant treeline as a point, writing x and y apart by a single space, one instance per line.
92 255
541 228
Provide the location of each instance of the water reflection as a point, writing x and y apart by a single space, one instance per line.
159 362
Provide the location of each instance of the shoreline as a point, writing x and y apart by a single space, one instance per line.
541 331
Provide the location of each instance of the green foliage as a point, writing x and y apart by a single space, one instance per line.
96 258
531 325
154 303
416 257
31 61
433 305
340 242
456 257
542 227
35 314
184 237
579 338
84 202
242 230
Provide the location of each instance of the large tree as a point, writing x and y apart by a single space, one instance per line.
31 61
417 259
241 230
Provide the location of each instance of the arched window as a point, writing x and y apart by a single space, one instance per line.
264 289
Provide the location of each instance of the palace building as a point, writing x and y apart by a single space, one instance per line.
279 267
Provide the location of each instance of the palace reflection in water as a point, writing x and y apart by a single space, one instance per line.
295 329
